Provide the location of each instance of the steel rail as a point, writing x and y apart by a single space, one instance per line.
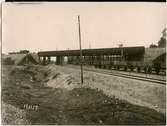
158 81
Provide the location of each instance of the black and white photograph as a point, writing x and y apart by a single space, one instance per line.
83 63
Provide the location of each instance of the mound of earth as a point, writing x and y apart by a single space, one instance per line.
57 79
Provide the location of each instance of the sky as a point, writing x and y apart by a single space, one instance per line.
54 26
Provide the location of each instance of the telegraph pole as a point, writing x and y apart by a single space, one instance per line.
79 29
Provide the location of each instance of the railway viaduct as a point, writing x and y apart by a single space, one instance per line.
124 53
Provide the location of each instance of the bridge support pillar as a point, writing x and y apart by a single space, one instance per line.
39 59
69 60
59 60
44 60
48 59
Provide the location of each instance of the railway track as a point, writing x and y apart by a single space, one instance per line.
135 77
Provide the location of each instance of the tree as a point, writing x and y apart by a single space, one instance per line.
162 43
24 51
153 46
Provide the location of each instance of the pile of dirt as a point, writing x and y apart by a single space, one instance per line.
57 79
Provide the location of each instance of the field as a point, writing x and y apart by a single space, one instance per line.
54 95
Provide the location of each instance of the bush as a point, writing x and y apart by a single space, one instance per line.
157 67
138 69
125 68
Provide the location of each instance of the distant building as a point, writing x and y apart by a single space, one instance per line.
162 41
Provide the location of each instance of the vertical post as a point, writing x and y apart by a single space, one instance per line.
122 54
44 60
1 27
39 59
80 49
49 59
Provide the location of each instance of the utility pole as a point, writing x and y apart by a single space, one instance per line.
79 29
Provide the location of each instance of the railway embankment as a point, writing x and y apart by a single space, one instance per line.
138 92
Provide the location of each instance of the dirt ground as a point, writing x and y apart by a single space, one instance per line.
43 95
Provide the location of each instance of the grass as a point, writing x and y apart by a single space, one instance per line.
78 106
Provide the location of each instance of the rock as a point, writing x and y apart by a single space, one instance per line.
100 121
105 101
69 82
26 86
56 75
156 106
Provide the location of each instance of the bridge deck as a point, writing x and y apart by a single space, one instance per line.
96 52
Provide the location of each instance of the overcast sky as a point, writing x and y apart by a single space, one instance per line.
51 26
